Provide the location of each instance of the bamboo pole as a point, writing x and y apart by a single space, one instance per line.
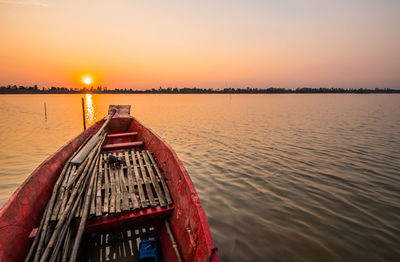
65 251
171 237
134 200
73 199
83 167
161 177
86 207
92 200
61 221
66 227
98 209
106 188
36 240
50 210
82 155
67 246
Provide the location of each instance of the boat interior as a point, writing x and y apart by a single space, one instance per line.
130 197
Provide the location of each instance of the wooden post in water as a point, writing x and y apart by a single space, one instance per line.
45 111
83 114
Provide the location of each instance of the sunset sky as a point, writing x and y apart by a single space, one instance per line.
208 44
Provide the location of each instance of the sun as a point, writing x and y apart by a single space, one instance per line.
87 80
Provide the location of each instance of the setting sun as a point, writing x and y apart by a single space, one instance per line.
87 80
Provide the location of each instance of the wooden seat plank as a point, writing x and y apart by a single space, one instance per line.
120 135
123 145
122 219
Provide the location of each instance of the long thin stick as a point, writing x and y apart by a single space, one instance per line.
48 214
83 167
174 245
64 256
86 207
83 114
58 204
36 240
65 213
82 155
66 227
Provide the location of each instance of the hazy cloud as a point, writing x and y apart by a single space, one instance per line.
33 3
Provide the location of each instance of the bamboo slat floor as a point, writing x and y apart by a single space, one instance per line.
133 182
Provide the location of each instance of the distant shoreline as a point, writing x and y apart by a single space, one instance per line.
103 90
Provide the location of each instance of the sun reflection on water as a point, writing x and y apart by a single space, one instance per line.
90 110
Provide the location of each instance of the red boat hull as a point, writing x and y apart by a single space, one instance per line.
24 209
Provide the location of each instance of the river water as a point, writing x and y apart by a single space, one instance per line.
303 177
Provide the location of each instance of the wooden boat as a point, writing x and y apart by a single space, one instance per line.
175 215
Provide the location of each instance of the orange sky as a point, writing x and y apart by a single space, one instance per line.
208 44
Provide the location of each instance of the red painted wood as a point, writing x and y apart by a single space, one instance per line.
119 135
123 145
33 232
129 218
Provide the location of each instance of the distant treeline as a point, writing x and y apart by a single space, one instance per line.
13 89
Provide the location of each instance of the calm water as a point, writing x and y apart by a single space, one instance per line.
281 177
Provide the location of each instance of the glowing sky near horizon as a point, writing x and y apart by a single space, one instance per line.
208 44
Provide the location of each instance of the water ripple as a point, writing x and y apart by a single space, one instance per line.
281 177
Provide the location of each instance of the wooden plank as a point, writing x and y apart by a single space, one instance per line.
106 187
131 188
163 183
120 135
124 145
124 189
139 181
98 210
153 178
146 180
113 192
